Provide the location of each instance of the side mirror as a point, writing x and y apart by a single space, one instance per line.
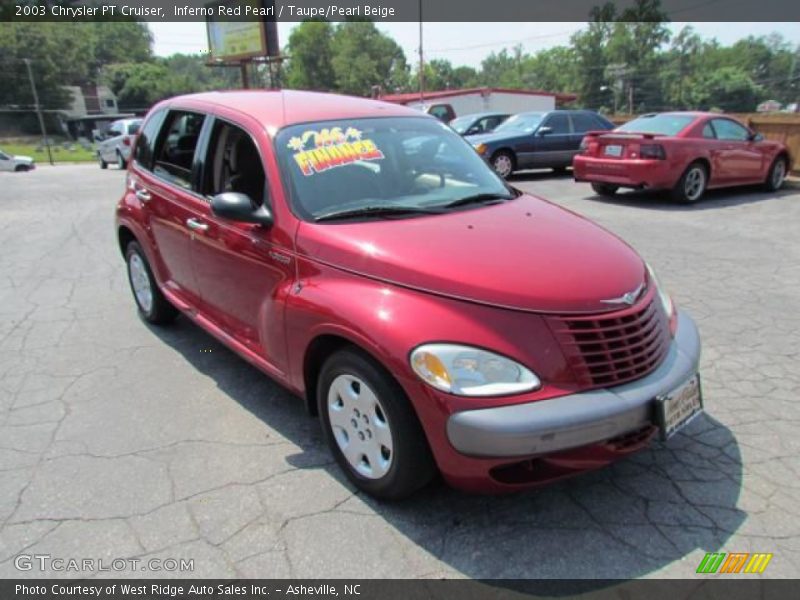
544 130
756 137
239 207
472 131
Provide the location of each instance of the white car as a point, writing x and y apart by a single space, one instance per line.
15 163
114 145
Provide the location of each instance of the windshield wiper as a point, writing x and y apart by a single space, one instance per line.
477 199
377 210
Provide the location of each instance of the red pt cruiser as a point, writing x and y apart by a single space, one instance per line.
436 319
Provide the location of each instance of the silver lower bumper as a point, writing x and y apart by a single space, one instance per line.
579 419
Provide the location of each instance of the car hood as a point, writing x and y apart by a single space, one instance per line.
491 138
525 254
22 159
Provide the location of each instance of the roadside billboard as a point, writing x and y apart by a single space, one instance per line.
231 40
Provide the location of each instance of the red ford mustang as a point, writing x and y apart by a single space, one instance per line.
684 152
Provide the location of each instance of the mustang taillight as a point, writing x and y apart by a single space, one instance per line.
652 151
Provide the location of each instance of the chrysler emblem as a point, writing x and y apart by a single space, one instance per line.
628 298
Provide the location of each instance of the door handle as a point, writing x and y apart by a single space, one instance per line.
143 195
196 225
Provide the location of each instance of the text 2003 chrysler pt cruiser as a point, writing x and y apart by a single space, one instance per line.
366 257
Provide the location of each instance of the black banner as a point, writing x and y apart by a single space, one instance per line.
389 10
742 587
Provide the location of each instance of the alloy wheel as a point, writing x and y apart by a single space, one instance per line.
695 183
360 426
140 281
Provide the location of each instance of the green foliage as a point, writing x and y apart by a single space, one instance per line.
363 57
309 47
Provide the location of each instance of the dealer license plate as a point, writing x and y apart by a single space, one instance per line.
676 409
613 150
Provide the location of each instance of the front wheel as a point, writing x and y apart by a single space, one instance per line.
152 304
605 189
503 164
103 164
121 161
371 427
692 184
776 175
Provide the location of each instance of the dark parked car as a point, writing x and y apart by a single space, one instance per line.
535 140
477 123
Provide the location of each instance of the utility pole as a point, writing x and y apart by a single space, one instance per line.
421 59
27 62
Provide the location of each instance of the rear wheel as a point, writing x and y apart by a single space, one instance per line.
371 427
103 164
152 304
503 163
605 189
692 184
777 174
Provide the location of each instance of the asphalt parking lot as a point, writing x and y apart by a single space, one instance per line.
118 440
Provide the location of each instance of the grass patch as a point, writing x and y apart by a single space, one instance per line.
73 153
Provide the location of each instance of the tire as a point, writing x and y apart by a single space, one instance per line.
605 189
692 184
560 170
503 163
103 164
363 409
152 304
121 162
21 169
777 174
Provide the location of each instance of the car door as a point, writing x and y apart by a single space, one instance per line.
553 141
109 143
163 178
241 268
739 157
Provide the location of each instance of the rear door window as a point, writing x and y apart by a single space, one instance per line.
145 146
558 123
176 146
581 123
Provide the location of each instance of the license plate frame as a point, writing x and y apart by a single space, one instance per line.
676 409
614 150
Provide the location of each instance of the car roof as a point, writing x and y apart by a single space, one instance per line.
281 108
480 115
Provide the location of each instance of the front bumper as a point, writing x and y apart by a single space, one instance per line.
548 426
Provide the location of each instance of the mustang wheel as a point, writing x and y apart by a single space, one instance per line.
152 304
692 184
776 175
604 189
371 427
503 164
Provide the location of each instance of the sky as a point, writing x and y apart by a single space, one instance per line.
465 43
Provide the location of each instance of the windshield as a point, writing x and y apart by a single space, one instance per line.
665 124
461 124
380 165
526 122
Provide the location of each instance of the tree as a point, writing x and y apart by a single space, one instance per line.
363 57
728 89
592 59
309 49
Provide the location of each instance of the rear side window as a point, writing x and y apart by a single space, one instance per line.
558 122
176 146
145 147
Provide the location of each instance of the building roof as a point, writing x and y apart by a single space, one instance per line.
280 108
415 96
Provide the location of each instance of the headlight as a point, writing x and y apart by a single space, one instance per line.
467 371
666 301
480 148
